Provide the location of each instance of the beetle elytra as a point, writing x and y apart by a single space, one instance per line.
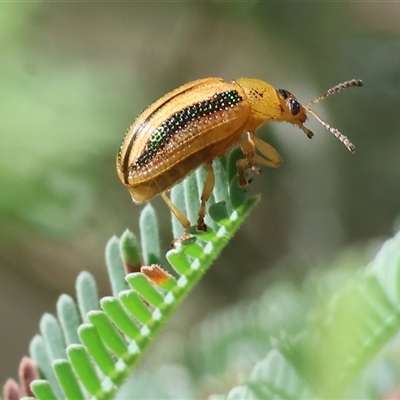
200 121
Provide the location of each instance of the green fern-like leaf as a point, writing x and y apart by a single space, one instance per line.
92 347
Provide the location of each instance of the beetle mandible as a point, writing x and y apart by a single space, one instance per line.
200 121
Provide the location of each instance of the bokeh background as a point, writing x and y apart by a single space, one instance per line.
73 76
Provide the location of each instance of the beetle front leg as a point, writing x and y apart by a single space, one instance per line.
246 166
207 190
272 157
242 166
252 162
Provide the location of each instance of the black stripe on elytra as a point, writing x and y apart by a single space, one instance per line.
179 120
125 162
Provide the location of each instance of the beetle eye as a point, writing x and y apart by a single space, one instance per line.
294 107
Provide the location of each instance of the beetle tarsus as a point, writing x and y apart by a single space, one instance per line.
201 226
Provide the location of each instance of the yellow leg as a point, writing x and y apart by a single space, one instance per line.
245 166
258 160
176 211
241 167
251 163
268 152
248 147
207 190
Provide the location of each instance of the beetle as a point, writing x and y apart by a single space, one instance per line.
200 121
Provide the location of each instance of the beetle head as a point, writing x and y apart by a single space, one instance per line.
296 113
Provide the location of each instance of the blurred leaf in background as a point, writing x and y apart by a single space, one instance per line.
75 75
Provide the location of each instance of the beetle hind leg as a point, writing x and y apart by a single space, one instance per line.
207 190
205 195
176 211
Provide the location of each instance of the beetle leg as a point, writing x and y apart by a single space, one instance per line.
247 146
258 160
241 166
176 211
245 165
271 155
207 190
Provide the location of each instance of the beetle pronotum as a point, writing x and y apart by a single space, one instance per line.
200 121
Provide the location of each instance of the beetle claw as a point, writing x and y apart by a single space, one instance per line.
201 226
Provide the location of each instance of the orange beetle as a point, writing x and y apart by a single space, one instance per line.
200 121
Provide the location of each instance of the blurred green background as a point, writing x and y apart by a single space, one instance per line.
73 77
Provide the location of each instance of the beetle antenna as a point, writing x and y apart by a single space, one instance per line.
350 146
351 83
337 89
